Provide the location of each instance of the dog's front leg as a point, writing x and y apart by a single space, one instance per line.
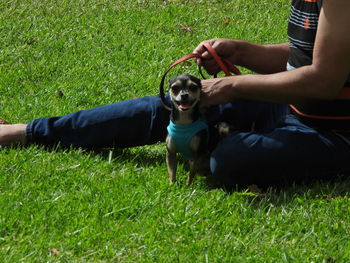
195 167
171 164
193 171
194 164
171 160
199 165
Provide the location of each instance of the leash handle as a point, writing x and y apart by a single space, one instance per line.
225 65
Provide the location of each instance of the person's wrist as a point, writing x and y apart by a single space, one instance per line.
238 54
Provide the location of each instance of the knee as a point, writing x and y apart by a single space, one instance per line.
231 161
246 158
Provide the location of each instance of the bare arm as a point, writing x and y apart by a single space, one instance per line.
263 59
323 79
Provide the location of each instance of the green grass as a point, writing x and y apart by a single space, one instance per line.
117 206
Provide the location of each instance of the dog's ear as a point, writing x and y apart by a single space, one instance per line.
195 80
171 82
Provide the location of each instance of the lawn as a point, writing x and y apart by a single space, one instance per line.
73 205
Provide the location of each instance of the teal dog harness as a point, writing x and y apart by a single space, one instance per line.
182 134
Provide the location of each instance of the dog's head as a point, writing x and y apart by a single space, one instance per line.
184 91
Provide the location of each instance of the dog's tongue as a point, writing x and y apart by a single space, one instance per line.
184 107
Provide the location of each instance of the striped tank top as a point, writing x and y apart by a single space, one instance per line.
302 27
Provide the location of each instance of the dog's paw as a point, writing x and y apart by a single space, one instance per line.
224 129
172 180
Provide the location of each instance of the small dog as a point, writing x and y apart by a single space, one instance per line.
187 132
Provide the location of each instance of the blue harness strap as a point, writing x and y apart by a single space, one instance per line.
182 135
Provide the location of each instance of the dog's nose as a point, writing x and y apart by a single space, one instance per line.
184 96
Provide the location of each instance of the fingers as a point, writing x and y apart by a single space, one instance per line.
205 94
211 67
207 60
216 91
200 49
223 47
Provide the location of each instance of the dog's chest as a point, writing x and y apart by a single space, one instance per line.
183 137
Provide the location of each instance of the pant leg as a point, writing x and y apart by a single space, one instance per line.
242 114
289 152
128 123
124 124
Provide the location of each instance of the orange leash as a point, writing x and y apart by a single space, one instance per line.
343 94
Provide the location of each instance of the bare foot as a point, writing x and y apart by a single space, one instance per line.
12 134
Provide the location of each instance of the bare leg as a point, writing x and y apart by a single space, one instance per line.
12 134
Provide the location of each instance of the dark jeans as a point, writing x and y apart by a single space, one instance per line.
280 148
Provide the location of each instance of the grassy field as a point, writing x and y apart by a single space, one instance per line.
72 205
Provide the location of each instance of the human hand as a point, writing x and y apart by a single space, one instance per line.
217 91
225 48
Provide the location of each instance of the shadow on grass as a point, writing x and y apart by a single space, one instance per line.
300 192
329 187
139 155
278 193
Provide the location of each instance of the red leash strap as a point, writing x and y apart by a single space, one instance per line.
226 66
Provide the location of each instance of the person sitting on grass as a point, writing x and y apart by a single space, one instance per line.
298 103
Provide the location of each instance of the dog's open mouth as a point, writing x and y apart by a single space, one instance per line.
185 105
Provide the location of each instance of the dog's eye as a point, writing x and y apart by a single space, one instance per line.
175 89
193 88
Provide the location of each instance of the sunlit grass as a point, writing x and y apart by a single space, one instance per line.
71 205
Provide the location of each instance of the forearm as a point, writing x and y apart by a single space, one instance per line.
298 85
284 87
263 59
